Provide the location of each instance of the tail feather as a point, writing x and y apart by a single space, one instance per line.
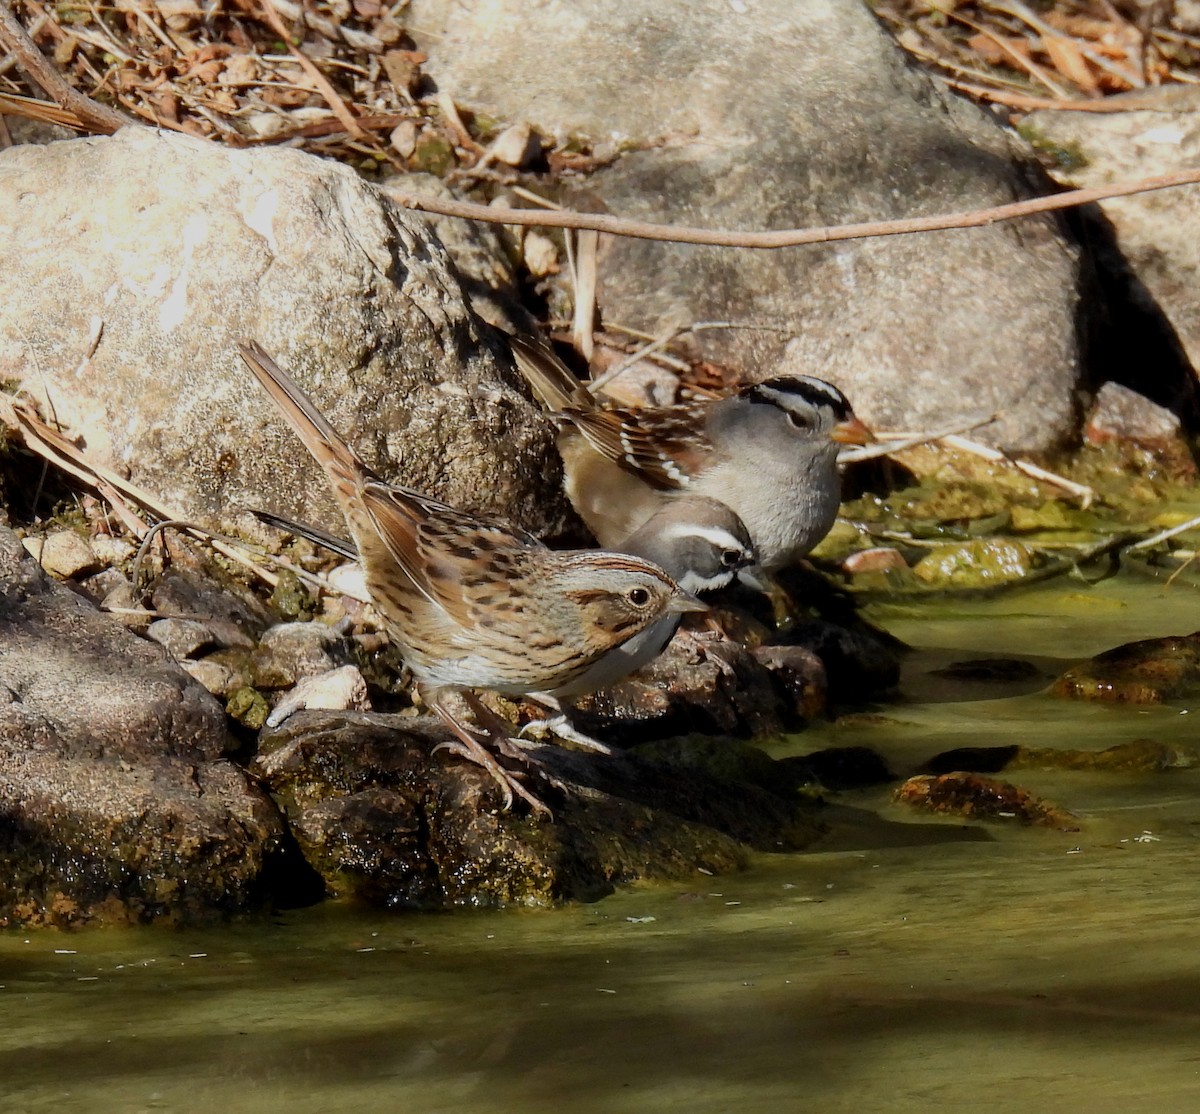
346 471
549 377
319 437
315 534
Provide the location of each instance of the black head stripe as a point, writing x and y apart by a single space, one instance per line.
814 392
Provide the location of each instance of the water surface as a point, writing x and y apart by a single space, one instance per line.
902 966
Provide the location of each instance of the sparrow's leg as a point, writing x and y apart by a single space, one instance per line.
481 748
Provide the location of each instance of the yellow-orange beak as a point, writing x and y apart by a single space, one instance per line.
852 432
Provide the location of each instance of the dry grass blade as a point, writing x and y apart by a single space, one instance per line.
889 443
584 272
327 91
1082 492
48 443
1165 535
37 67
45 112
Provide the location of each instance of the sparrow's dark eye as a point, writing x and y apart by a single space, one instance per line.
639 597
799 421
731 558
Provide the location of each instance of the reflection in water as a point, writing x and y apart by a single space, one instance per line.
895 969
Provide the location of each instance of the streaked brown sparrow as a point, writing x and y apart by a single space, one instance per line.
698 542
768 452
473 603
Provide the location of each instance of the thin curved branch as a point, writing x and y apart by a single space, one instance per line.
793 237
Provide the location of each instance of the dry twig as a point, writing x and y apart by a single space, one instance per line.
795 237
13 37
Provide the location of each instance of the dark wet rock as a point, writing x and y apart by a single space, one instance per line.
800 672
973 797
181 638
860 662
978 760
841 767
1137 756
353 296
1152 671
117 798
724 759
736 684
807 115
290 652
703 684
1000 670
382 820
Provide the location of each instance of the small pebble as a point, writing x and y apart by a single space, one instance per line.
181 638
337 690
219 679
289 652
64 553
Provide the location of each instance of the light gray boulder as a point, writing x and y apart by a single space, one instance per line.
1158 233
774 114
130 267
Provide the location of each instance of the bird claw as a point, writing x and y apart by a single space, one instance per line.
510 785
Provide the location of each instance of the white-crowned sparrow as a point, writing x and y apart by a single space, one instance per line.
471 602
768 452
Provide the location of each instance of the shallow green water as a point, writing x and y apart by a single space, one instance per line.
896 968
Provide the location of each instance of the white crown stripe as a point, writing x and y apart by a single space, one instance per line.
714 535
816 392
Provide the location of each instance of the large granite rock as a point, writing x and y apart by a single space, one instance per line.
1157 234
118 801
776 115
161 252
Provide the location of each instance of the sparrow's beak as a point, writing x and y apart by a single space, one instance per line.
852 432
681 602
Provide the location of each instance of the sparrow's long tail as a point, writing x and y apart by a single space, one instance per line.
346 472
549 377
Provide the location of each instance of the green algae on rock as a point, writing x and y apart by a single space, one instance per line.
976 564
